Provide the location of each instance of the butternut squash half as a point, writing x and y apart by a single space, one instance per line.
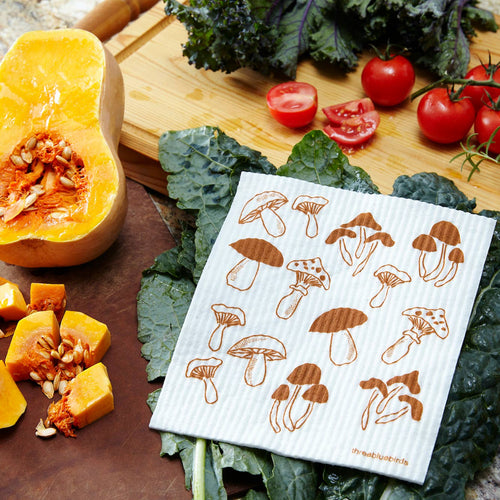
62 187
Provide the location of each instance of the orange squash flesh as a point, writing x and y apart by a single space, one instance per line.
48 296
12 304
93 335
26 354
12 402
62 186
88 397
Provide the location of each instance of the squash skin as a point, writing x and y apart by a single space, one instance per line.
85 106
12 402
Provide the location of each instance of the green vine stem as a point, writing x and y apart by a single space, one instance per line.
463 82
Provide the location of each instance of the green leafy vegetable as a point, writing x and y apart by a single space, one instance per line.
273 35
204 166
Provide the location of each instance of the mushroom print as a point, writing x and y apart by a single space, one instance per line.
309 272
225 317
263 206
383 397
338 323
316 394
426 244
456 257
279 395
310 206
389 277
301 376
448 235
362 222
255 252
424 322
340 234
204 369
258 350
376 238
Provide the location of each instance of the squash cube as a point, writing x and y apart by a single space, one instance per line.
88 397
45 296
12 304
93 335
12 402
30 347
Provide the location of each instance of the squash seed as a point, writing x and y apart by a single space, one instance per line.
66 153
55 354
44 432
63 385
61 349
26 156
49 376
31 142
66 182
68 343
34 376
57 381
45 354
48 340
29 200
67 358
48 389
17 161
62 160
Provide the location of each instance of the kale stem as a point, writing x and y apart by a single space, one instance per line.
200 450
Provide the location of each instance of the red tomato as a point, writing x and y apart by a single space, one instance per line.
477 93
388 82
337 113
487 121
293 104
442 119
355 130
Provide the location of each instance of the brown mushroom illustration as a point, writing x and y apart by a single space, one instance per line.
308 272
362 221
225 316
413 405
303 375
204 369
426 244
337 322
310 206
408 380
424 322
379 391
456 257
263 206
255 252
316 394
279 395
339 235
258 350
389 277
448 234
376 238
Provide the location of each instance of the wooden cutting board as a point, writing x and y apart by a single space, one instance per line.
163 92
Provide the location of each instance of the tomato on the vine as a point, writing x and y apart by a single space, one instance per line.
388 81
355 130
478 94
443 118
487 121
293 104
337 113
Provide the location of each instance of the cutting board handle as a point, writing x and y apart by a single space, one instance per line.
110 16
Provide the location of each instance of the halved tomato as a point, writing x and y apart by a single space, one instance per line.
337 113
355 130
293 104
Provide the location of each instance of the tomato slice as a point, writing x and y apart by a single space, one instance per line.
293 104
337 113
355 130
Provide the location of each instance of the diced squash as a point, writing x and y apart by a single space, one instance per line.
93 335
88 397
48 296
12 402
12 303
28 351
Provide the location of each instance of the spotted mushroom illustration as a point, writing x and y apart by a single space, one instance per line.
389 277
426 245
361 223
316 394
374 240
263 207
204 369
448 235
259 350
337 323
310 206
424 322
225 316
301 377
279 395
255 252
340 235
308 273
